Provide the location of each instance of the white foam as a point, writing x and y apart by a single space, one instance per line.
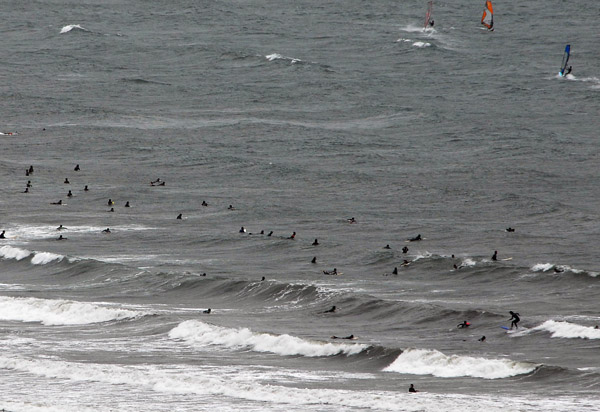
569 330
200 333
60 312
9 252
42 258
277 56
542 267
421 44
70 27
220 391
433 362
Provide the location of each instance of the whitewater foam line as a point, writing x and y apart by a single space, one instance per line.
433 362
61 312
195 381
277 56
544 267
199 333
560 329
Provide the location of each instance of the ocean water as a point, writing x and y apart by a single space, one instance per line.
300 115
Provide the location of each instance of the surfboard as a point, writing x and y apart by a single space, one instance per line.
565 60
508 258
505 328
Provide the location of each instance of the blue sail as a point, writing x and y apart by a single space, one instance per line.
565 60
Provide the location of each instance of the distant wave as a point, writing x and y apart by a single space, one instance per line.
60 312
39 258
419 44
277 56
560 329
71 27
433 362
544 267
196 332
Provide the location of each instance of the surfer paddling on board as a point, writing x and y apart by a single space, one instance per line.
465 324
515 319
351 337
415 239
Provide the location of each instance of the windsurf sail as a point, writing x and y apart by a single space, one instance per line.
428 19
565 60
488 15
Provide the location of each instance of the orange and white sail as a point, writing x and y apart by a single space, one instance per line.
488 15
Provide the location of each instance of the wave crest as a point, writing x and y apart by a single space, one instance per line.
60 312
433 362
560 329
196 332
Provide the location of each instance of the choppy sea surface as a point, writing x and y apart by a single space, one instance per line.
287 119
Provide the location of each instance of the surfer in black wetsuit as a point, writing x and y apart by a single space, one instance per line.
330 310
178 216
315 243
332 272
431 23
345 337
395 272
415 239
69 194
404 249
510 229
495 255
270 233
482 339
242 230
107 230
515 319
60 227
29 183
314 260
86 188
568 70
412 389
387 247
207 311
465 324
67 181
2 234
57 203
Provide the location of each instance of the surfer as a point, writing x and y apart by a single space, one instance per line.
515 319
387 247
332 310
2 234
315 243
510 229
558 270
112 209
352 220
404 249
465 324
314 260
179 216
412 389
29 183
67 181
60 227
69 194
30 171
482 339
110 202
431 23
270 233
85 189
495 255
415 239
127 204
293 236
242 230
263 279
405 263
351 337
107 230
568 70
230 207
76 168
207 311
331 272
26 190
154 182
204 203
61 238
57 203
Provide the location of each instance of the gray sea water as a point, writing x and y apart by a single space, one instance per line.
300 115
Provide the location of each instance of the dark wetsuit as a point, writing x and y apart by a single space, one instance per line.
515 320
